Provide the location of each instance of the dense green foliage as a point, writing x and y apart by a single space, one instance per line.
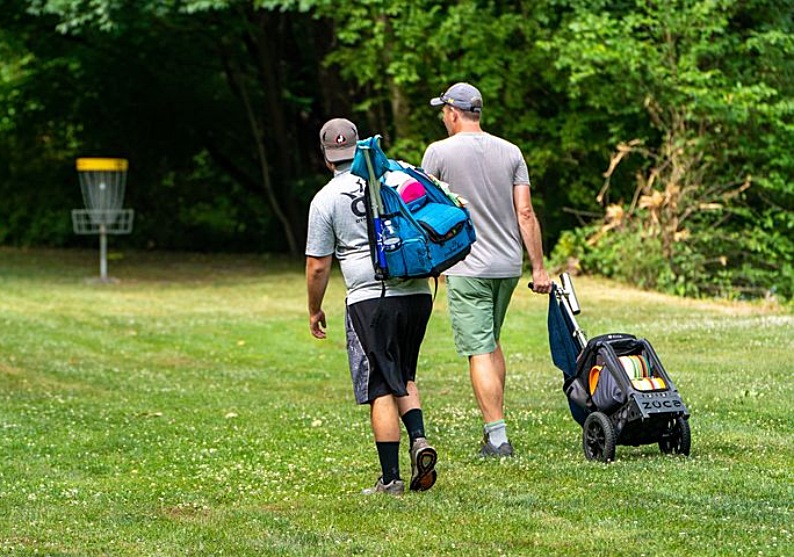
186 411
707 205
685 106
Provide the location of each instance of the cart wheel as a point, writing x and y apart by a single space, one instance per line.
598 438
678 439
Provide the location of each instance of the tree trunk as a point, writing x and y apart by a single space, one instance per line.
237 83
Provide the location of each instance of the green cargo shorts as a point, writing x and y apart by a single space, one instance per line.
477 309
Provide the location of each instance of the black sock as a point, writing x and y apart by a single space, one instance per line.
389 454
414 424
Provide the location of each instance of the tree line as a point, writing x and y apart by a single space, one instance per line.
659 134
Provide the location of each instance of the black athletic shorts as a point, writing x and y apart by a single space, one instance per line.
383 340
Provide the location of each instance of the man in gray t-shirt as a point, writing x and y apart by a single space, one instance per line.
384 323
491 174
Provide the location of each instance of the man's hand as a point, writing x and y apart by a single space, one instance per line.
317 324
541 284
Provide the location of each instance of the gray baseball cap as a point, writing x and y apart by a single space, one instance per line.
461 95
338 139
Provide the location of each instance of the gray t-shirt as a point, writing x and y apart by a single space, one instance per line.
484 169
338 225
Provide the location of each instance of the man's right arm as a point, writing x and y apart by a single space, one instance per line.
529 228
318 270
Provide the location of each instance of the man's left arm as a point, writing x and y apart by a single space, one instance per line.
429 164
530 233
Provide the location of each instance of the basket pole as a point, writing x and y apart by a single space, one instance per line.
103 253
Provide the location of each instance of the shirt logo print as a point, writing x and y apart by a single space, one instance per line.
357 204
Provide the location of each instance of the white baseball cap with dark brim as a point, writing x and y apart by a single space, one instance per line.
463 96
338 139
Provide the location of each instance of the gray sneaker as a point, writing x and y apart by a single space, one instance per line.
488 449
423 463
394 487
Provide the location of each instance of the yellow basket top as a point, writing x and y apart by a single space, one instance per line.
101 165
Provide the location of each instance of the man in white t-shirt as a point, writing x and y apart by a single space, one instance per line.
385 326
492 175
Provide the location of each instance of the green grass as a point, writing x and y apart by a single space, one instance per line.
186 410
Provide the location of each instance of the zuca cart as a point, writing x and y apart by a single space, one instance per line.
617 388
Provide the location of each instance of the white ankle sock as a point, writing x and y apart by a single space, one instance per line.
496 432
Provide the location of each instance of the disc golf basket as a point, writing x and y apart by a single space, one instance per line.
102 182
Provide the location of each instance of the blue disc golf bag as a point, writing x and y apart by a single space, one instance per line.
422 238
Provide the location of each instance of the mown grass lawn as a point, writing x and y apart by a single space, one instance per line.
186 410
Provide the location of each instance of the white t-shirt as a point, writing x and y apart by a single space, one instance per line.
484 169
338 225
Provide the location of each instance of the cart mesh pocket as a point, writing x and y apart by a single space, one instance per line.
606 392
